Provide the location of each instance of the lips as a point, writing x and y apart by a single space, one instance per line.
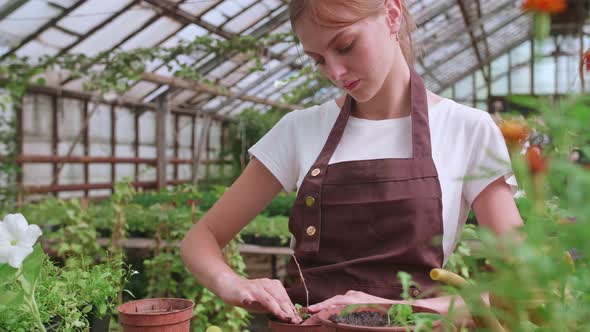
351 85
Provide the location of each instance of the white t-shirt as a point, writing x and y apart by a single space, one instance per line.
468 149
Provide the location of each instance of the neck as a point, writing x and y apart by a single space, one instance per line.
392 101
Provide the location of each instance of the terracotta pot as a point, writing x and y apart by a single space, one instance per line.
161 315
276 326
324 316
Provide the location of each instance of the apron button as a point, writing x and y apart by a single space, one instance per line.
309 201
316 172
310 231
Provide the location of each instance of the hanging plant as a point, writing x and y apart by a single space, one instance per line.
542 10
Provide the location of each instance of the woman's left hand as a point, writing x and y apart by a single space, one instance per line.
351 297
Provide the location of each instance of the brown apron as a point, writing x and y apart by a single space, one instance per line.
357 223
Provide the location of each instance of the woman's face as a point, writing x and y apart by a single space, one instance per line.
357 58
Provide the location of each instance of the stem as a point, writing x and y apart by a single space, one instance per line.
302 279
31 302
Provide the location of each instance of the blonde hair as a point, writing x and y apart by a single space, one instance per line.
322 16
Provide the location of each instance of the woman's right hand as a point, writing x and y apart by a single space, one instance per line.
258 295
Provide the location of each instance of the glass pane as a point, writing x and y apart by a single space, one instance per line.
115 31
91 14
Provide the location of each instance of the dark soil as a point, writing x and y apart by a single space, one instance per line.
361 318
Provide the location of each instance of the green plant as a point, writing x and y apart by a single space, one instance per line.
168 276
9 167
302 311
464 259
402 314
36 292
74 236
273 227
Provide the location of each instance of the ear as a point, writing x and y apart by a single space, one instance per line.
394 14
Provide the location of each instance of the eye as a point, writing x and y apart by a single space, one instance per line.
346 49
319 61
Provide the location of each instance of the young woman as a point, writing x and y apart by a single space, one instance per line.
380 173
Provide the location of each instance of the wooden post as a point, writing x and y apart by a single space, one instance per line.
54 140
222 150
136 142
193 137
208 152
199 147
509 72
19 152
533 58
161 118
113 146
474 90
86 145
176 129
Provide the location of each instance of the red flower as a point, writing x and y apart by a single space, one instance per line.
537 162
544 6
587 59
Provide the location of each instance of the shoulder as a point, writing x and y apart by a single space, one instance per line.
315 112
316 116
452 115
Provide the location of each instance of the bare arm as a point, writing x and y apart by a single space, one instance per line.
494 209
201 247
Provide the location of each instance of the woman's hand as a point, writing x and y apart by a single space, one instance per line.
351 297
258 295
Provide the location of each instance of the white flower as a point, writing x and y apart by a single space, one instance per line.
17 239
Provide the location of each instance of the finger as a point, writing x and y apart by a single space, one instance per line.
334 301
276 289
268 301
315 319
249 303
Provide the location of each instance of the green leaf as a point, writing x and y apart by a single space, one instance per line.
102 309
87 309
32 265
12 299
7 273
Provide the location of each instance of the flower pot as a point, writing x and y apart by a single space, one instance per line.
99 324
54 324
324 316
161 315
277 326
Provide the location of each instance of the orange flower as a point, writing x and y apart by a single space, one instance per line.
544 6
514 131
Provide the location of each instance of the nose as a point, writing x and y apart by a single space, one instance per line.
334 69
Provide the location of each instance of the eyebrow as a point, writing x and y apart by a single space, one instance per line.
331 41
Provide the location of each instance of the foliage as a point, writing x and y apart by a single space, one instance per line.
250 126
168 276
9 169
464 260
540 278
269 227
70 232
63 295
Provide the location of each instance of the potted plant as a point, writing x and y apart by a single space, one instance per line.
276 325
35 294
381 317
384 316
161 315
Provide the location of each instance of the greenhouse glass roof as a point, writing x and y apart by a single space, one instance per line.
455 37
